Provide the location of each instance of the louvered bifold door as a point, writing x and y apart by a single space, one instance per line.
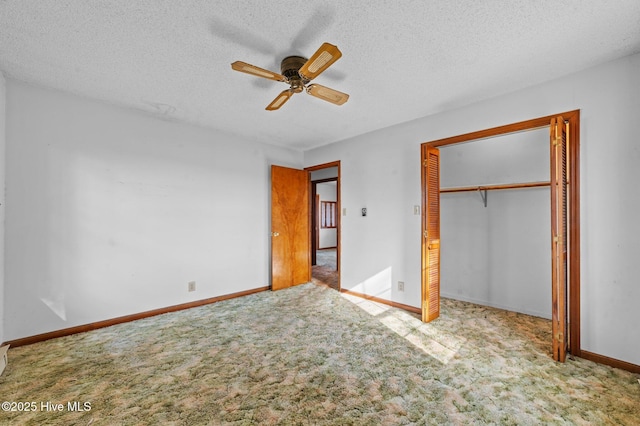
431 234
559 145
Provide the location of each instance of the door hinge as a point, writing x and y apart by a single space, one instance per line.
424 162
425 234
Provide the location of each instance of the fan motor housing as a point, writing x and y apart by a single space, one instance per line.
289 68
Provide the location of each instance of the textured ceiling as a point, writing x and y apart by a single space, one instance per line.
401 59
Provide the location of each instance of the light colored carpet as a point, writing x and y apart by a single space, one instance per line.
327 257
312 356
325 270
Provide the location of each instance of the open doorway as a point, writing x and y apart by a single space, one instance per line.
325 224
495 221
565 237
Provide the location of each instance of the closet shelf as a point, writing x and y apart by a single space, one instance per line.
496 187
482 190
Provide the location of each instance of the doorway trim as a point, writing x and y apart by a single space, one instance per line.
338 216
573 120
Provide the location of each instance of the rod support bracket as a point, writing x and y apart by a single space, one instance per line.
483 195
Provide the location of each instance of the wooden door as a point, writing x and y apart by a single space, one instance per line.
559 243
290 236
431 234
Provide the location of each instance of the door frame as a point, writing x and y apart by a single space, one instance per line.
573 261
338 208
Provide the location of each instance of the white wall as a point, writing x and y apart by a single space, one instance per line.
381 171
326 173
2 197
381 248
498 255
328 236
112 212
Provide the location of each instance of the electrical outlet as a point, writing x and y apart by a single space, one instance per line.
192 286
416 210
400 285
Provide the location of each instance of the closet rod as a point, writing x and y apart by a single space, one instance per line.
496 187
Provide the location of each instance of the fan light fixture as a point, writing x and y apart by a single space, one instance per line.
298 71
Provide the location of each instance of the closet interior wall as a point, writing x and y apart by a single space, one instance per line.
498 255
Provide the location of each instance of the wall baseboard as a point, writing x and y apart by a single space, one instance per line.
611 362
127 318
384 301
600 359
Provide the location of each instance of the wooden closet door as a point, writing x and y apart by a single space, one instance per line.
431 234
559 145
290 236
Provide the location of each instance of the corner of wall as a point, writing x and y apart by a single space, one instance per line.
3 133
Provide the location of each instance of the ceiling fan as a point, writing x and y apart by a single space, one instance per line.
298 72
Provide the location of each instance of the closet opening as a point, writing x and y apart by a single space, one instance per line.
501 222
